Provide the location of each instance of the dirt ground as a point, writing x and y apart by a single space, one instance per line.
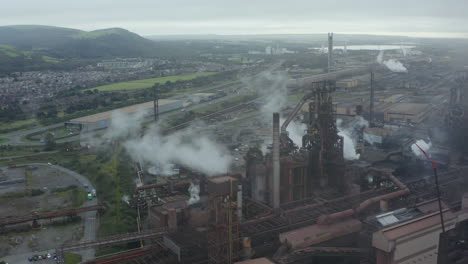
41 239
42 178
46 179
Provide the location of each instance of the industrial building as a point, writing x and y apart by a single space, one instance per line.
104 119
305 203
406 113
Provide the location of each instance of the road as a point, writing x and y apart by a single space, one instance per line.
90 223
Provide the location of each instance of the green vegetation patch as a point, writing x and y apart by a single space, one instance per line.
148 83
72 195
50 59
7 47
97 33
6 127
72 258
3 140
21 194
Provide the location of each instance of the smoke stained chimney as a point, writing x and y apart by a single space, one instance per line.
330 52
275 192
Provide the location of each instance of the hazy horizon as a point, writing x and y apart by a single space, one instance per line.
418 18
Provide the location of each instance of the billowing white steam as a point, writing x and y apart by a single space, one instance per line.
194 190
187 148
391 64
395 66
271 86
296 131
349 149
349 134
126 199
423 145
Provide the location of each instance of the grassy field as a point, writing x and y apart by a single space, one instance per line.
72 258
147 83
6 127
3 140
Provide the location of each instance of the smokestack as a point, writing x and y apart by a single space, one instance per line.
371 107
276 161
239 203
330 52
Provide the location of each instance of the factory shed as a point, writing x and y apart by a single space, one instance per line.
406 113
104 119
413 241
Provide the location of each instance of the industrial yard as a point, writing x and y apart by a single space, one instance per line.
359 163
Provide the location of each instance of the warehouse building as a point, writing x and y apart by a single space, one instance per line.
103 120
407 113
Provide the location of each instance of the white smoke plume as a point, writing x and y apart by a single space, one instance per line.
186 147
423 145
194 190
391 64
121 126
349 148
380 57
126 199
349 132
271 86
296 130
395 66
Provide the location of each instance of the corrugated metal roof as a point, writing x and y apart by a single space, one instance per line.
387 220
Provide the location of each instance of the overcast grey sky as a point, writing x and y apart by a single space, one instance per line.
156 17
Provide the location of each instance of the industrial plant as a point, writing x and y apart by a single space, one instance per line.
367 165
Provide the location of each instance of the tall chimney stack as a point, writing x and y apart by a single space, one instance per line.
275 192
371 106
330 52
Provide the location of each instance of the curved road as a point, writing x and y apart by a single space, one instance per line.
90 222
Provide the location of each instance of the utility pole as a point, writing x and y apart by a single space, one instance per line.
156 102
441 256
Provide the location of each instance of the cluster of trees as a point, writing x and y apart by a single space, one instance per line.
12 112
47 111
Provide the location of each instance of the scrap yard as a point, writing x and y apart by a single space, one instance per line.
365 162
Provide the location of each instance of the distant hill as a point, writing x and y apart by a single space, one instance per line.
72 43
32 47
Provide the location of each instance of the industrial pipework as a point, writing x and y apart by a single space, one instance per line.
404 190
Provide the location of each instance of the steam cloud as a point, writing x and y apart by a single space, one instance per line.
391 64
349 134
194 190
271 86
187 148
296 131
423 145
